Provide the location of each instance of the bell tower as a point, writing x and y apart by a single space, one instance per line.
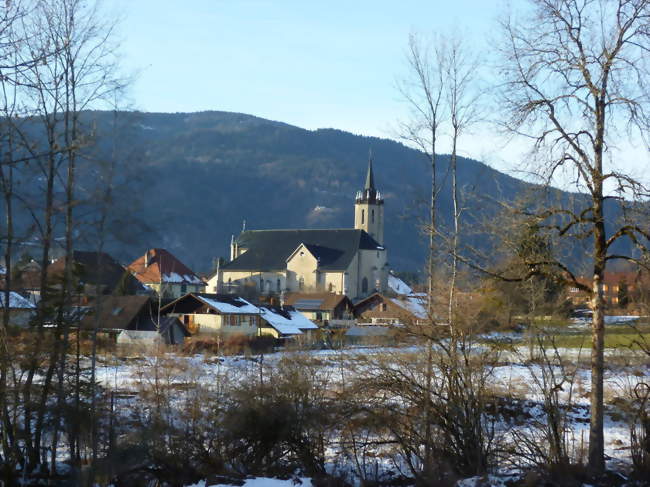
369 208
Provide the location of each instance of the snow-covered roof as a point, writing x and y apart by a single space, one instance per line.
232 305
398 286
16 301
413 304
287 321
185 278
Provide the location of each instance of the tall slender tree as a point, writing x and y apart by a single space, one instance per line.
575 83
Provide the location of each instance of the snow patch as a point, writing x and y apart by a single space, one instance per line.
398 286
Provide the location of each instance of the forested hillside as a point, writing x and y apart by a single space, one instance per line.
188 181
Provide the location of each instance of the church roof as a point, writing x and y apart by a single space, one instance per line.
268 250
370 179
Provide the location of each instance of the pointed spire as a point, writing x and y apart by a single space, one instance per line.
370 180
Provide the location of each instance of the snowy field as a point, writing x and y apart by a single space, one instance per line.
514 376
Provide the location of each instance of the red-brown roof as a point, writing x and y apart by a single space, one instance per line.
158 265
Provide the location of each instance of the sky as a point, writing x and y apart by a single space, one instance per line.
310 63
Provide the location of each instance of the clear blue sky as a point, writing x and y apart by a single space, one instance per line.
312 63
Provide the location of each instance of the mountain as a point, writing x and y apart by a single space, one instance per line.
187 182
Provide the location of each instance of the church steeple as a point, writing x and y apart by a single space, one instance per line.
369 194
370 180
369 207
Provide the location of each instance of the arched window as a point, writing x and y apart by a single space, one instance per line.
364 285
363 216
278 285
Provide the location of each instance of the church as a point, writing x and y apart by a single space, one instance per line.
350 261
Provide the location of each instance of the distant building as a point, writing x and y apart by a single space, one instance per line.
381 309
96 273
161 271
207 313
323 307
342 261
133 320
20 310
225 314
617 286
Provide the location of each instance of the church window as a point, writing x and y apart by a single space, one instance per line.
373 216
364 285
363 216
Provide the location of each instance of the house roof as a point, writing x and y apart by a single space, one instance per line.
268 250
221 303
286 320
314 301
99 268
398 286
160 266
116 312
413 304
16 301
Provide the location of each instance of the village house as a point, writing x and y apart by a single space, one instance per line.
285 322
96 273
133 320
20 309
619 287
342 261
204 313
161 271
25 279
383 310
225 314
323 307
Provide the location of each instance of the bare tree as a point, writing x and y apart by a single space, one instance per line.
575 84
423 91
460 67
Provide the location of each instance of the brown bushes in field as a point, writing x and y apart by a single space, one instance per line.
236 344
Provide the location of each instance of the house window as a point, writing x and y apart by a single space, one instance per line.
233 320
363 216
278 285
373 216
364 285
383 306
301 283
261 285
229 283
331 287
183 288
